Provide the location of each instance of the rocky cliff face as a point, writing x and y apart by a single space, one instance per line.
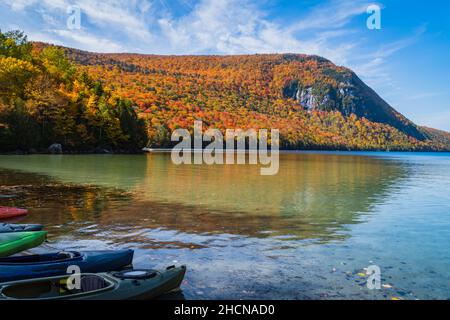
351 95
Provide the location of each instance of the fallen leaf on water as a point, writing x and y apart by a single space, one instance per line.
361 274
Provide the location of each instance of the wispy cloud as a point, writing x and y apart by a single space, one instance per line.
436 119
219 27
426 95
371 65
330 15
90 42
19 5
125 17
229 27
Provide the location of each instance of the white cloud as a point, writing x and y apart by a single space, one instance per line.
117 15
231 27
216 26
210 26
19 5
426 95
220 27
436 119
331 15
89 42
44 37
124 16
372 65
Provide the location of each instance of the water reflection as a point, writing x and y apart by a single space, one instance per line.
118 171
305 233
314 197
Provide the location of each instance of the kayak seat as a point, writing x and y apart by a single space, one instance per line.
25 291
92 283
60 256
65 255
135 274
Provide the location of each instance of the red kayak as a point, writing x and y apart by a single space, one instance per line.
8 213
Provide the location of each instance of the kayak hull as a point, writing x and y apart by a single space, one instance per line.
12 243
9 213
112 287
7 228
55 264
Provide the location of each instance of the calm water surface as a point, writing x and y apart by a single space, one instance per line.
306 233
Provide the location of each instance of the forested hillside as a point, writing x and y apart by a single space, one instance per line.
314 103
46 99
86 100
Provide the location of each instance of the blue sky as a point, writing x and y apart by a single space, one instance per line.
406 61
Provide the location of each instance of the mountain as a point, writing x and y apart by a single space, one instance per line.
314 103
272 88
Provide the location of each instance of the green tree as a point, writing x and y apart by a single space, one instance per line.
14 44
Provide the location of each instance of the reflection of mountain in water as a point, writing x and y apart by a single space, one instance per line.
313 197
118 171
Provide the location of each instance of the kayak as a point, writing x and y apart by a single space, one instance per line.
12 243
8 213
125 285
56 264
7 228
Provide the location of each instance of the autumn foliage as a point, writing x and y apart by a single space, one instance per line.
105 99
244 92
45 99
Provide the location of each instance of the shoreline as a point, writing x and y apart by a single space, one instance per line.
166 150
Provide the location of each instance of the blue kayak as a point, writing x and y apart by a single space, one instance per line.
56 264
8 228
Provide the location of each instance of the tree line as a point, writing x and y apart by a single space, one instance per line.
46 99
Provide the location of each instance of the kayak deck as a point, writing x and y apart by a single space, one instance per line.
12 243
101 286
55 264
8 213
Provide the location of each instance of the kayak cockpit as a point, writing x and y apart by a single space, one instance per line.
56 288
42 258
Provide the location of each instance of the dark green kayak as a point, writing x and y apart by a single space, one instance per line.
12 243
125 285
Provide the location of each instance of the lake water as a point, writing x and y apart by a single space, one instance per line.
306 233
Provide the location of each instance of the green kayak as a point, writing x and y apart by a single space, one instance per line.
124 285
12 243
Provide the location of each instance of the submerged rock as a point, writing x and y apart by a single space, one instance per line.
55 148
